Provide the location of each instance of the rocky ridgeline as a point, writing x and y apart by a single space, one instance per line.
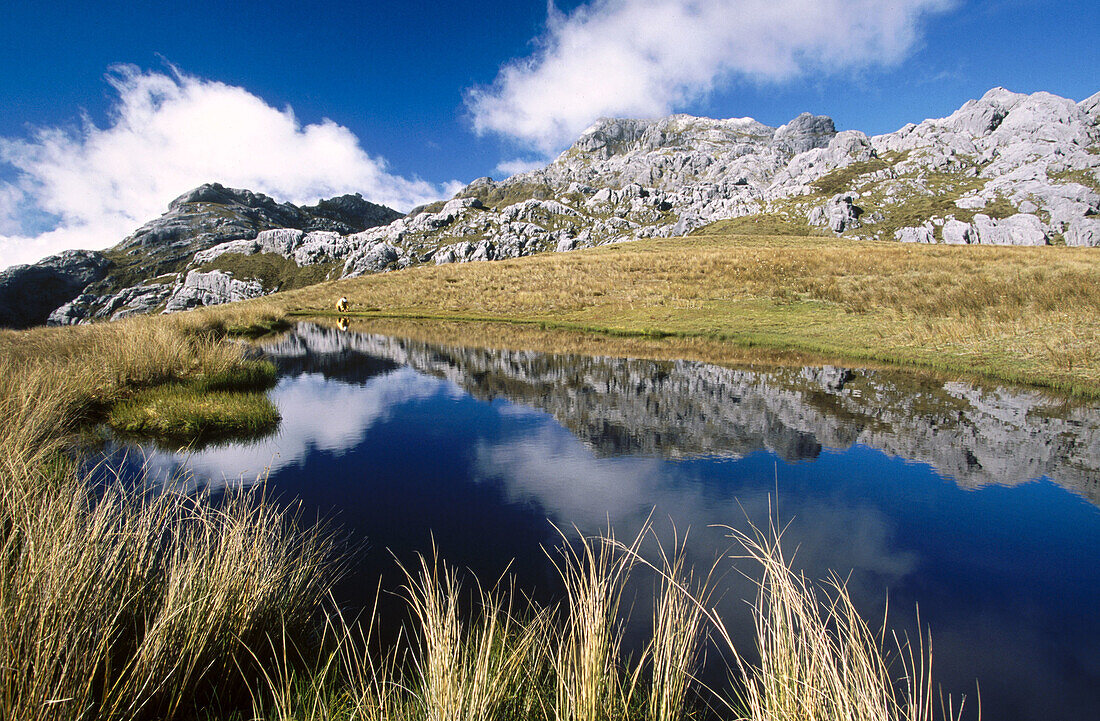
1007 169
29 292
978 436
161 266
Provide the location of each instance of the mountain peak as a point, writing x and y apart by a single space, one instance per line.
1006 168
218 194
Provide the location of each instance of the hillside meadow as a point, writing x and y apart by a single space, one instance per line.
1017 314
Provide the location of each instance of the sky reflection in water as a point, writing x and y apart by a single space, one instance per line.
400 443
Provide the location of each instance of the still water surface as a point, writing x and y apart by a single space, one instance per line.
980 505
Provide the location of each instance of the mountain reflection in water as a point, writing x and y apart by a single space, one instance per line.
978 504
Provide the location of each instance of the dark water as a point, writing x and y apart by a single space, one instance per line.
978 505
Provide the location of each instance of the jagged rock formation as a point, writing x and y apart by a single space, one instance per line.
1007 169
29 292
150 267
199 289
978 436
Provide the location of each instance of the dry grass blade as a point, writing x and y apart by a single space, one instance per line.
467 670
818 657
586 658
678 633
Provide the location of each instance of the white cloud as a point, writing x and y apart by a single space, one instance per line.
643 58
318 415
519 165
168 133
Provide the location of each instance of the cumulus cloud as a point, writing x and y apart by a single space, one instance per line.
318 415
520 165
643 58
169 132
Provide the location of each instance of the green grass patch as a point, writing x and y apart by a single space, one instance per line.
132 268
258 328
182 413
1086 178
842 179
248 376
272 270
222 404
936 199
503 195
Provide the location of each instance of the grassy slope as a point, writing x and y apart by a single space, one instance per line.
1020 314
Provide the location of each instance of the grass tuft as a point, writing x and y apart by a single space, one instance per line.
181 414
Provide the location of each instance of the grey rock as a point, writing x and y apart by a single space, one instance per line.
371 259
920 234
73 312
805 132
304 248
971 202
1091 107
1019 229
134 301
346 214
839 214
211 220
1084 232
213 288
956 232
28 293
566 244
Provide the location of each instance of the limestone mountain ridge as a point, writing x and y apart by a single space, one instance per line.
147 270
1008 168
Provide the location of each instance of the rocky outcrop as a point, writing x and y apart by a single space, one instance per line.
137 300
976 435
320 246
1084 232
1004 169
214 288
839 214
29 292
200 226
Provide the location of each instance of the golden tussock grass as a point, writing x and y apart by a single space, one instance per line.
487 655
119 603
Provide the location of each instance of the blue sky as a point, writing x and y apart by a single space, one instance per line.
421 96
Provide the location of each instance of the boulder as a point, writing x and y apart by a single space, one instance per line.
920 234
75 311
840 213
136 300
956 232
1084 232
971 202
805 132
1019 229
371 259
211 288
